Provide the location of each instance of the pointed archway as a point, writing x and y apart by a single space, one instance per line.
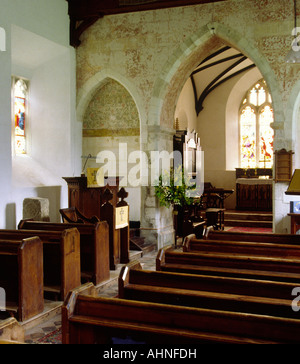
173 76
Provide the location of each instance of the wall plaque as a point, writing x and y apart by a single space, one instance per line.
121 217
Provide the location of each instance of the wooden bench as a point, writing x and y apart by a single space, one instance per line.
94 246
21 276
252 237
11 331
87 319
229 265
217 293
73 215
191 244
61 258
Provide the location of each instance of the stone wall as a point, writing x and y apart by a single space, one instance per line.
152 54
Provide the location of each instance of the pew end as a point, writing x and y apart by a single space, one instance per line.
124 274
21 276
160 258
186 242
69 305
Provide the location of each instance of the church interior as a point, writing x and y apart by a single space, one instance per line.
97 98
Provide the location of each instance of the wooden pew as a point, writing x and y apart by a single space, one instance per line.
229 265
73 215
11 332
191 244
94 246
252 237
61 258
21 276
217 293
118 237
87 319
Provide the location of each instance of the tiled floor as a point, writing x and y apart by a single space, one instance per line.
38 334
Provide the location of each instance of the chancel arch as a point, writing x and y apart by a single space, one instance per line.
186 58
177 71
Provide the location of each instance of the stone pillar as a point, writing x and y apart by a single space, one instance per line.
156 222
36 208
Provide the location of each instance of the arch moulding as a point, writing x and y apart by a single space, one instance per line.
187 56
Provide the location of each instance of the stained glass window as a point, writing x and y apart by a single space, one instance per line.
248 137
256 133
20 100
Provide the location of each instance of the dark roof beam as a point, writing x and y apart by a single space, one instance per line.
214 84
239 55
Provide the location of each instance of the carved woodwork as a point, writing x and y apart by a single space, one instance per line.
283 165
254 196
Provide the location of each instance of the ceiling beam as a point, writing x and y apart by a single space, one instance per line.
216 83
83 13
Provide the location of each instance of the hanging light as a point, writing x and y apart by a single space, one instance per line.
294 54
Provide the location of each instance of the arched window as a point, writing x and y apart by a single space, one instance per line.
20 113
256 133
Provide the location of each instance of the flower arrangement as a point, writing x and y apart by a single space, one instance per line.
173 188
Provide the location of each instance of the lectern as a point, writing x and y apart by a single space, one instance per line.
93 201
88 200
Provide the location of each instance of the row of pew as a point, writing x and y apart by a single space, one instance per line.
46 260
224 288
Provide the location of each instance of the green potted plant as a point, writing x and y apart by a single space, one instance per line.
173 190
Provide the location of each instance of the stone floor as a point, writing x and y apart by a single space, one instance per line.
38 333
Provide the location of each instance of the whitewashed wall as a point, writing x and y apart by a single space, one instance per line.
37 38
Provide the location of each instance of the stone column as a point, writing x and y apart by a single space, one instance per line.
156 222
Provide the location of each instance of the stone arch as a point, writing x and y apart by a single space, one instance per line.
181 63
99 79
186 57
107 140
292 122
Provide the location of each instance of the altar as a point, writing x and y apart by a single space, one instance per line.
254 194
254 188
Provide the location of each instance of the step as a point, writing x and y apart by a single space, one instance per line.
139 243
255 216
249 223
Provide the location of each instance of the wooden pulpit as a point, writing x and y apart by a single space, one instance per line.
88 200
103 202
